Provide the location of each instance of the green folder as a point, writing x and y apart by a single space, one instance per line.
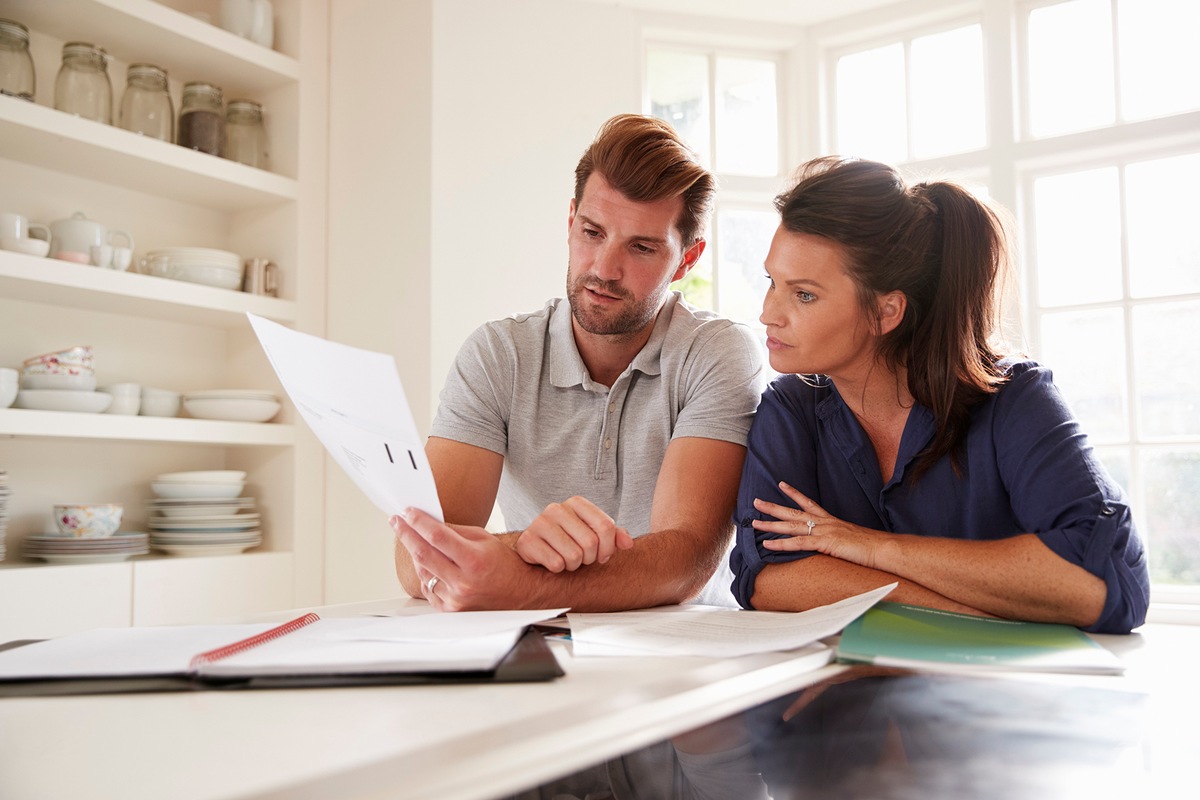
900 635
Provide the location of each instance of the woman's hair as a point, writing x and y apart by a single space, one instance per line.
645 159
945 249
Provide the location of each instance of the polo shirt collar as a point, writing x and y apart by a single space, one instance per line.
566 365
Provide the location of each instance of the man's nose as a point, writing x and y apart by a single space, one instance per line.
607 265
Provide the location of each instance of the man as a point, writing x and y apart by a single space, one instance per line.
611 424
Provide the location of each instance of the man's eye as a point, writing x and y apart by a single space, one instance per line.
592 232
641 248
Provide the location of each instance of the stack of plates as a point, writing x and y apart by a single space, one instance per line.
69 550
202 514
218 268
3 511
240 405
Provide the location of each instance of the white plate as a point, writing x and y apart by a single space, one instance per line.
91 558
231 410
196 491
203 476
208 539
203 549
232 394
201 526
182 512
58 382
63 400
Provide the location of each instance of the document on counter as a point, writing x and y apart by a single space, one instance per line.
353 401
697 630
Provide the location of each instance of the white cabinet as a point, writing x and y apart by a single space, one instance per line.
156 331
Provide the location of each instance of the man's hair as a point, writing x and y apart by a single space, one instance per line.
644 159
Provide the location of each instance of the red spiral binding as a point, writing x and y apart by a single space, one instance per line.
252 641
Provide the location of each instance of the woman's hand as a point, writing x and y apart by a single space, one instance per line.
812 528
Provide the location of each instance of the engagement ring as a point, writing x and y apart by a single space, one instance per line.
810 524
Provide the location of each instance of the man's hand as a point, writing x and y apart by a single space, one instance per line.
571 534
465 568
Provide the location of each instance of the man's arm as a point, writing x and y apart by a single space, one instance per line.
467 479
690 521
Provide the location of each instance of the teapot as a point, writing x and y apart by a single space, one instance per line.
73 239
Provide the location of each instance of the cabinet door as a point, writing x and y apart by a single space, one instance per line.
185 591
56 600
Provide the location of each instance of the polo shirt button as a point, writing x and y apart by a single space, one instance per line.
608 444
612 407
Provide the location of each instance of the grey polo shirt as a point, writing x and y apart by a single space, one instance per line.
519 388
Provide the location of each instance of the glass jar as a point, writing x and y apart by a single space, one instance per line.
201 118
16 65
245 139
82 87
146 105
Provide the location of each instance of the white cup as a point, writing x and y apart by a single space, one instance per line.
126 398
122 257
102 255
16 226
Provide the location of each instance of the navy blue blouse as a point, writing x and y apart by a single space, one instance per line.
1027 467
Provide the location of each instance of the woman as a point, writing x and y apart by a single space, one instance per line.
903 445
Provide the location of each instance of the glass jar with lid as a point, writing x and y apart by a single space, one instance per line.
16 65
82 87
245 138
201 118
146 105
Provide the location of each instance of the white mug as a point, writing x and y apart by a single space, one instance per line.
16 226
250 19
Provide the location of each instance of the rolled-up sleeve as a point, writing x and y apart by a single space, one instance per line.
1060 491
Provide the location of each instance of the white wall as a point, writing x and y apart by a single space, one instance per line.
519 89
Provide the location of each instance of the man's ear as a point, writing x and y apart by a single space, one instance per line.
691 257
570 215
891 307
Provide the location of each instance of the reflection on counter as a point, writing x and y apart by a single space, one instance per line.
873 732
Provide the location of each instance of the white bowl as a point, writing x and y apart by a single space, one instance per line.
9 382
207 491
159 402
203 476
28 246
63 400
237 410
88 520
55 380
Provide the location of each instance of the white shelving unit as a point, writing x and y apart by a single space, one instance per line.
156 331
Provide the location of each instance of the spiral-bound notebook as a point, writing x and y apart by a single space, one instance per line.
305 652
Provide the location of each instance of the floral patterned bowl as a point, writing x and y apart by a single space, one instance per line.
88 520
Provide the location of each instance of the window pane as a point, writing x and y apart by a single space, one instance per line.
1159 58
1116 460
1086 351
1170 520
947 93
1162 211
1167 378
871 120
744 239
1077 221
678 87
1070 82
747 117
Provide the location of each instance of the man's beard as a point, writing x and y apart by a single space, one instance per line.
631 318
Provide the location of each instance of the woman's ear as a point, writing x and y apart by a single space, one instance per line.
891 307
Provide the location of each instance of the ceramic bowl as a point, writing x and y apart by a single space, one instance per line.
200 490
28 246
77 358
58 380
159 402
88 520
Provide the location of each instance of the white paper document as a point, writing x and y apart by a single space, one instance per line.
696 630
353 401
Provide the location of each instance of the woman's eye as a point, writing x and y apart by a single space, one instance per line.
806 297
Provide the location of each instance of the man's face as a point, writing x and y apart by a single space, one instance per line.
623 255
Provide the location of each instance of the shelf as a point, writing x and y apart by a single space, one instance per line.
145 31
62 142
63 283
112 427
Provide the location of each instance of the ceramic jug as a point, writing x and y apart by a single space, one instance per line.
73 239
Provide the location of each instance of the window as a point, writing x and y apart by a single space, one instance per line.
726 106
1100 162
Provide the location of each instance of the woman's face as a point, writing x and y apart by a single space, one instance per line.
814 321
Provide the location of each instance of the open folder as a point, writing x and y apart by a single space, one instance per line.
305 652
